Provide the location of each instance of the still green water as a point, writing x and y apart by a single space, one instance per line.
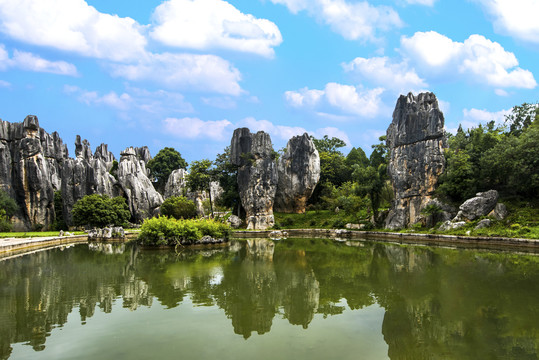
257 299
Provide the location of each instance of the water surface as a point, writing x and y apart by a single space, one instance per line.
291 299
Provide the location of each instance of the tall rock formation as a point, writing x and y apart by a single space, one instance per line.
143 200
85 175
299 172
416 142
257 175
30 163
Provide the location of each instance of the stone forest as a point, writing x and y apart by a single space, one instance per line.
35 167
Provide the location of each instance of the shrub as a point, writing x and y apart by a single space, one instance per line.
170 231
100 210
178 207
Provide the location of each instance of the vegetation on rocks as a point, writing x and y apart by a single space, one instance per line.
179 207
164 231
100 210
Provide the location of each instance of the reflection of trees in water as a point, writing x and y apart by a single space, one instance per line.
439 303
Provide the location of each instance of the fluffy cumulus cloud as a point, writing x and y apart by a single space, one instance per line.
517 18
281 132
347 99
381 71
477 57
352 20
474 117
184 71
192 128
133 100
205 24
30 62
72 25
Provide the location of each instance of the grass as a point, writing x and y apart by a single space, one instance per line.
35 234
317 219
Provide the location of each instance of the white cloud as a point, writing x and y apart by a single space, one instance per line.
184 71
517 18
303 97
344 98
332 132
478 58
30 62
133 99
353 21
281 132
501 92
206 24
444 106
421 2
72 25
380 71
192 128
473 117
5 84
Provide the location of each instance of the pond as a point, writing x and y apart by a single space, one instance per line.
258 299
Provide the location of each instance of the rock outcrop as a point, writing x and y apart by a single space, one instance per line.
143 200
298 173
480 205
257 176
30 170
416 142
176 184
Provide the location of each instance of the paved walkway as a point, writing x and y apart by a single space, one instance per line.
18 244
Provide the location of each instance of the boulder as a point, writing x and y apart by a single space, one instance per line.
480 205
234 221
298 173
485 223
143 200
416 142
176 184
500 212
449 225
257 176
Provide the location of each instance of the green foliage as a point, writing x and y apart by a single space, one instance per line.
7 204
163 231
100 210
179 207
521 117
200 176
356 156
59 222
226 173
163 164
328 145
114 169
347 199
8 207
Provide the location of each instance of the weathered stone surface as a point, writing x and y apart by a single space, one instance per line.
143 200
176 184
30 163
500 212
480 205
485 223
298 173
257 176
416 141
234 221
449 225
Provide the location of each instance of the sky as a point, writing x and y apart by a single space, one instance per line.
186 73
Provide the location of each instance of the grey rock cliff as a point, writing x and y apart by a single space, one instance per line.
416 142
143 200
30 163
257 176
299 172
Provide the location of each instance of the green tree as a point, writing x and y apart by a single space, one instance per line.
163 164
8 204
328 145
521 117
227 175
59 222
200 176
100 210
179 207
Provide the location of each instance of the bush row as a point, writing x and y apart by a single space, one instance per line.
169 231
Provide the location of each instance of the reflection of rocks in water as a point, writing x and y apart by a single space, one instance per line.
261 249
107 248
300 295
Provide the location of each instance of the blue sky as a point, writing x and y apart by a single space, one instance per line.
186 73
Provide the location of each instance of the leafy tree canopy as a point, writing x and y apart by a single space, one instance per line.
179 207
100 210
328 145
7 204
163 164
